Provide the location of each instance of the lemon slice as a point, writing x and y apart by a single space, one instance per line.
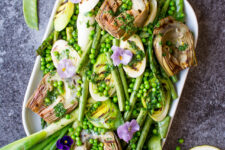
204 147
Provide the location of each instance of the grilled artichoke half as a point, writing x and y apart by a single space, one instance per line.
174 46
37 102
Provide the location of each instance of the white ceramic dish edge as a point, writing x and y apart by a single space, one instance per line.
31 121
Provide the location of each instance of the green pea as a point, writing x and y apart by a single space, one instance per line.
79 143
130 90
108 45
64 37
61 90
80 52
154 101
91 141
60 83
134 112
71 41
124 6
158 105
170 12
133 146
91 56
139 95
85 126
106 93
153 90
181 141
103 45
154 131
107 40
74 33
71 129
77 47
47 100
127 107
42 67
103 32
178 148
147 86
49 58
73 137
78 94
79 88
131 85
143 40
93 51
153 84
95 141
115 99
95 129
68 116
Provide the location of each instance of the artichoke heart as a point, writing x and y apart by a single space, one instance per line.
122 24
104 115
174 46
38 104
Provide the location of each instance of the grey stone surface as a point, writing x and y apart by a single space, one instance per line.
200 118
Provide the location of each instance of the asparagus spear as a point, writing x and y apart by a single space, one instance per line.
92 44
165 8
119 88
144 133
180 10
133 98
140 120
83 99
174 78
122 75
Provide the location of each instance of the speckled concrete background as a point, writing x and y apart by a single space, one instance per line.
200 118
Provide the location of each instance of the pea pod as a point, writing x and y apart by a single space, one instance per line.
163 127
30 13
154 143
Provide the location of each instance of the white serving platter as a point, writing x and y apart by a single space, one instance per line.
32 122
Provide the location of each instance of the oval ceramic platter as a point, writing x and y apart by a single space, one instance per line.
32 122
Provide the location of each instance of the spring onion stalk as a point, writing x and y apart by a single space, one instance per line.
122 75
43 144
27 142
133 98
83 99
53 143
144 133
69 31
119 87
165 8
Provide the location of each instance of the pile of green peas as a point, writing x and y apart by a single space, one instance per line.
131 85
79 88
87 125
96 145
107 44
172 8
75 135
134 140
103 89
126 5
46 61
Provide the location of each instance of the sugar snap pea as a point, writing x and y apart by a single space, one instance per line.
30 13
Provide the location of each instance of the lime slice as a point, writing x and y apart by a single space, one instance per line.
204 147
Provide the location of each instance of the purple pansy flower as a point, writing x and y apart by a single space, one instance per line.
64 143
127 130
75 1
66 69
121 56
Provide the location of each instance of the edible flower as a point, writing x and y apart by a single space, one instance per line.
75 1
127 130
121 56
66 69
64 143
